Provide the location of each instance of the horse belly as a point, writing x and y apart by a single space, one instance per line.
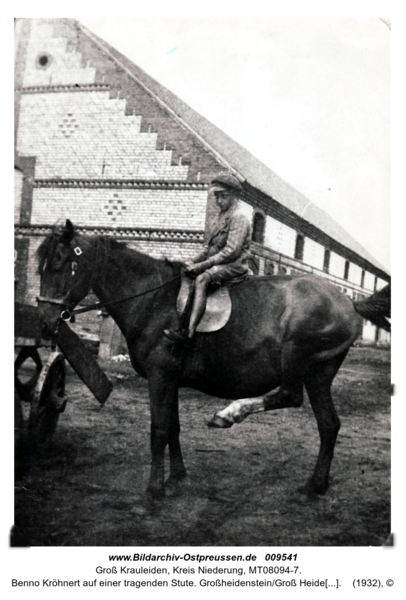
231 372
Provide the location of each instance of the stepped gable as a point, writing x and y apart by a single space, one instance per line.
238 159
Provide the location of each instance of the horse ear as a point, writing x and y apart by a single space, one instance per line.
67 232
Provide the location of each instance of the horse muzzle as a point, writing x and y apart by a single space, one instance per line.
50 314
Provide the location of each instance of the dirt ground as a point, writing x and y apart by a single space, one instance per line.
87 488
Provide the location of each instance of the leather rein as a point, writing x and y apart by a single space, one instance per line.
68 314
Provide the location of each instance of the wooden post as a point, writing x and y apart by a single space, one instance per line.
110 338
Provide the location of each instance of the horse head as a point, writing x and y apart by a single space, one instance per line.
65 268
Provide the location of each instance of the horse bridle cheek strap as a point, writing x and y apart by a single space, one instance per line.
67 313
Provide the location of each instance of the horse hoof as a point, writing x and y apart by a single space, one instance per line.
312 490
154 493
219 423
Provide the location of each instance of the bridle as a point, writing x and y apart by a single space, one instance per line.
69 311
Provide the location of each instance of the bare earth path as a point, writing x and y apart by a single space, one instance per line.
87 489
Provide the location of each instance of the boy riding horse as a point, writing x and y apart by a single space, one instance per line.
225 254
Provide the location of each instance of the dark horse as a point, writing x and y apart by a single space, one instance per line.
284 333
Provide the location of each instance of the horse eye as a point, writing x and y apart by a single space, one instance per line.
60 258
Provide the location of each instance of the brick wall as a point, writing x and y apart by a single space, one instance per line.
172 250
74 61
18 190
81 117
87 135
59 64
181 209
32 286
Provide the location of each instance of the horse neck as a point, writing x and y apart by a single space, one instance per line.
127 272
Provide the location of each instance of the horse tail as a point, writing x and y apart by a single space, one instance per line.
376 308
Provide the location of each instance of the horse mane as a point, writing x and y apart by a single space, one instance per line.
103 246
47 248
177 265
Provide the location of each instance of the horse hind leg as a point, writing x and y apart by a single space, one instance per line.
239 410
288 395
318 385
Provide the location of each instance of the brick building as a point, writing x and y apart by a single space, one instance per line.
100 142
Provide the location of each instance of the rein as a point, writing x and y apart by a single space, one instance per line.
67 314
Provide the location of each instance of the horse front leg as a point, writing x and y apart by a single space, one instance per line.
177 475
163 398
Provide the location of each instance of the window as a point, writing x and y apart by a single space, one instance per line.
326 263
43 60
299 247
258 228
269 267
362 278
346 269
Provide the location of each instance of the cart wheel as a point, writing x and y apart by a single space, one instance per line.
47 402
25 389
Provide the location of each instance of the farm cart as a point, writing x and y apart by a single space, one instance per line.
44 389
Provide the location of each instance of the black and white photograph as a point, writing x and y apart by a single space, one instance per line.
202 285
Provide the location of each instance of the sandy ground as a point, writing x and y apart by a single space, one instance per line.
87 488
